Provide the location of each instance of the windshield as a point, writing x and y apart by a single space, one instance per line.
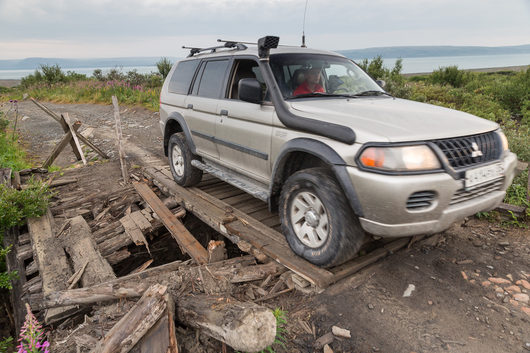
315 75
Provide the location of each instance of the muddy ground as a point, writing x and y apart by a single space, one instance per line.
470 282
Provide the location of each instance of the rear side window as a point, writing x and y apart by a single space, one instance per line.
212 79
181 79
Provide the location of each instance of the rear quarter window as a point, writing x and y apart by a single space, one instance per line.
182 77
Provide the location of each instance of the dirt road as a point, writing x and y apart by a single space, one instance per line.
467 287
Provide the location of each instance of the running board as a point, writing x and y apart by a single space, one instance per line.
235 179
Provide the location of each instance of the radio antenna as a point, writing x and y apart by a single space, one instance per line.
303 26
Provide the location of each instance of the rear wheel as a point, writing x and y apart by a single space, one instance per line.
180 157
317 219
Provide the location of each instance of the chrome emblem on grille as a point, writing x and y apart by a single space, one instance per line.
476 152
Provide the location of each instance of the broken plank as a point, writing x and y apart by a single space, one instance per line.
119 138
74 136
133 231
51 259
67 138
186 240
136 323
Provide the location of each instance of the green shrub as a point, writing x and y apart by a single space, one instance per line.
448 76
164 66
514 94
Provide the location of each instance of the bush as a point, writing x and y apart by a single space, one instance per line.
395 82
164 66
514 95
448 76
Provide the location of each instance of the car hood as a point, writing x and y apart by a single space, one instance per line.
387 119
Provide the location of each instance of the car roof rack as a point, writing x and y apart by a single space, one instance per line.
228 44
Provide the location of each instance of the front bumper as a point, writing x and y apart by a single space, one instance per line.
383 199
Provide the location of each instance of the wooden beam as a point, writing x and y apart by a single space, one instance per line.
65 128
51 259
67 138
137 322
184 238
74 136
117 119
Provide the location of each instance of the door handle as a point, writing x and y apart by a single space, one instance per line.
224 112
189 106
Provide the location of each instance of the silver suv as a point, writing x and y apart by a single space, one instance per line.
313 135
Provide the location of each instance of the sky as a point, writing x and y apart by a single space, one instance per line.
123 28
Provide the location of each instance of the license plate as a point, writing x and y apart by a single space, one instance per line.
482 175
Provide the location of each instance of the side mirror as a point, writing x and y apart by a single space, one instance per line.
250 90
381 83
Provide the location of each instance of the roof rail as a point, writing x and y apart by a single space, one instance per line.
228 44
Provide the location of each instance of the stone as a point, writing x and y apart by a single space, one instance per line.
513 289
464 276
327 349
525 310
524 283
513 302
499 280
510 277
409 290
340 332
521 297
486 283
370 306
464 262
499 290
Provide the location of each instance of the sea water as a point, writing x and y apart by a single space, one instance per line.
410 65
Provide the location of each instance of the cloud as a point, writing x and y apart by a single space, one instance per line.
142 26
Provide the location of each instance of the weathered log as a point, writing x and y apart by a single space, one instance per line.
136 323
15 264
244 326
82 250
133 285
51 259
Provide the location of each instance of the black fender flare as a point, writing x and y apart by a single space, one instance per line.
323 152
184 127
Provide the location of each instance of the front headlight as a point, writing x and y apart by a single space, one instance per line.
504 140
400 159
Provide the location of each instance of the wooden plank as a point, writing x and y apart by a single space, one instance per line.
186 240
54 268
119 142
13 264
240 198
65 128
82 250
136 323
228 193
133 231
74 136
213 211
140 220
67 138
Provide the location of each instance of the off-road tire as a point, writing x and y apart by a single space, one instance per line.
184 174
344 233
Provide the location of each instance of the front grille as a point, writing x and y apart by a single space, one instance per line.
420 200
466 151
463 195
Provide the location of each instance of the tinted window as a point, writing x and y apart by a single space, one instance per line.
212 79
181 79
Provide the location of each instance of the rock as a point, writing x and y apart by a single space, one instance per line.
510 277
490 267
513 302
513 289
499 290
464 276
525 310
521 297
498 280
340 332
486 283
524 283
503 243
430 302
324 340
464 262
505 300
409 290
370 306
327 349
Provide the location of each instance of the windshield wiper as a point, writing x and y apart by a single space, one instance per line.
371 93
318 94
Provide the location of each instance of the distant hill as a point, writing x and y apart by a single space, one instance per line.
432 51
34 63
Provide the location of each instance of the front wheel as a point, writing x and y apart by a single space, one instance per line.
180 157
317 220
